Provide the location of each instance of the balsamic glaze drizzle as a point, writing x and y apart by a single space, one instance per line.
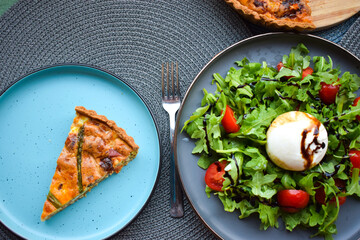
227 175
306 151
206 136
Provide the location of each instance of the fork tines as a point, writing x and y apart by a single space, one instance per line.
172 89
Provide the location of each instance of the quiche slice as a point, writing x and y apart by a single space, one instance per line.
94 149
279 14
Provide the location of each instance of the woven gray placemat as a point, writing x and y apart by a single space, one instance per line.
351 39
130 39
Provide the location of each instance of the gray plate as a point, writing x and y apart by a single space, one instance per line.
270 48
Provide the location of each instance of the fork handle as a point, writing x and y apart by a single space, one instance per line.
176 195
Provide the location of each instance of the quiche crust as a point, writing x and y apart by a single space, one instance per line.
270 20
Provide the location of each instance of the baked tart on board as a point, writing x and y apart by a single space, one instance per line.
298 15
94 149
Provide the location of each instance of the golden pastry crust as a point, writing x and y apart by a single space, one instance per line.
121 132
94 149
277 14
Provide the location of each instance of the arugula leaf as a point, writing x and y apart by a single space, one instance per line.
317 217
321 65
197 114
293 220
243 62
307 183
229 204
257 160
205 160
354 187
246 209
268 216
297 58
256 122
261 185
287 181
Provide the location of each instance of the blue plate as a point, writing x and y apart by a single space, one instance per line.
36 114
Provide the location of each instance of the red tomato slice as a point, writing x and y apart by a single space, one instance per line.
320 193
342 200
280 66
328 93
291 200
214 175
307 71
355 104
355 158
229 121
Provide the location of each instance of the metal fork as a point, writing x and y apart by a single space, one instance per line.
171 103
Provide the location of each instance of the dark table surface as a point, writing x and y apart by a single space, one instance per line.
132 39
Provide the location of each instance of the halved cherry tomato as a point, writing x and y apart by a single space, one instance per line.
229 121
320 193
355 104
328 93
292 200
355 158
342 200
280 66
307 71
214 175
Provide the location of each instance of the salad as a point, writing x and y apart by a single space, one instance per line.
230 131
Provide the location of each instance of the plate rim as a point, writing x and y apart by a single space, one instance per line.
104 71
206 66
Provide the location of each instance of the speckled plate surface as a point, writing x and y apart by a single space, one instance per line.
270 48
36 114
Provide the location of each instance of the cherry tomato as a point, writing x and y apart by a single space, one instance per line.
320 193
328 93
342 200
355 158
307 71
280 66
355 104
214 175
291 200
229 121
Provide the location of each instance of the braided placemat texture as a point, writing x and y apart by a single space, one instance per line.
131 39
351 39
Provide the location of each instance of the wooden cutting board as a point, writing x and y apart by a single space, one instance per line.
327 13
